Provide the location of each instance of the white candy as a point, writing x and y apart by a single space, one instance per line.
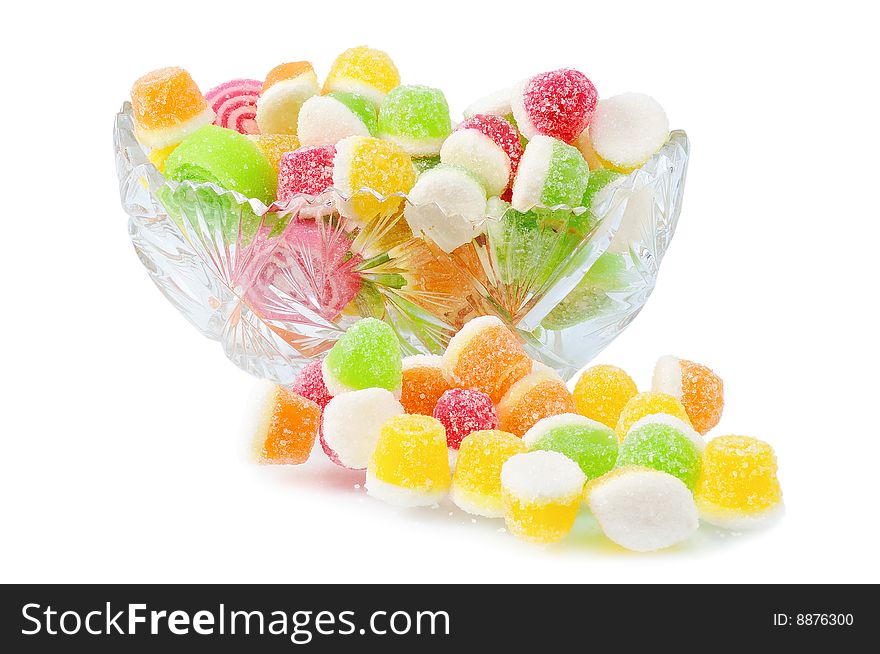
523 122
494 104
352 423
477 153
447 205
324 120
643 510
628 128
531 176
542 476
278 106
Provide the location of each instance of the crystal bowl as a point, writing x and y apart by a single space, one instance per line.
278 285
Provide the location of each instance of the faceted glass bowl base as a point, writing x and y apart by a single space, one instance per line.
278 285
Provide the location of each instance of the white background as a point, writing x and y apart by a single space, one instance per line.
123 455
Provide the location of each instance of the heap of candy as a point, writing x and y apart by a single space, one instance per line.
503 437
539 143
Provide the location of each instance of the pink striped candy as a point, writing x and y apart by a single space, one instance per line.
235 103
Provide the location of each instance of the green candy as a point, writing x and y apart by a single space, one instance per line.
599 179
361 107
567 177
590 444
416 118
424 164
366 356
226 158
663 443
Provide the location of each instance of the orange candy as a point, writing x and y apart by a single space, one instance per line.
539 395
164 98
697 387
287 428
290 70
423 384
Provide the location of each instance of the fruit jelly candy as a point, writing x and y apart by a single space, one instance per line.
738 488
367 355
447 205
602 391
598 180
541 494
410 465
700 390
487 146
551 173
538 395
285 89
287 426
365 166
664 443
275 145
424 164
590 444
167 106
159 156
225 158
496 103
415 117
423 383
645 404
642 509
327 119
364 71
307 170
485 355
235 104
585 146
559 103
476 483
351 425
309 382
463 411
627 129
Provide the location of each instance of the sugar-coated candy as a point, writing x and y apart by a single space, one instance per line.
646 404
415 117
410 465
424 164
285 89
167 106
602 391
538 395
700 390
627 129
590 444
485 355
541 494
738 488
365 166
235 104
489 147
274 146
558 104
307 170
643 509
309 383
158 156
585 146
287 426
327 119
423 383
225 158
463 411
447 204
476 482
550 173
367 355
365 71
351 425
496 103
599 179
664 443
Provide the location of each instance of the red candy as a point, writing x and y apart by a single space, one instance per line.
502 133
235 104
309 383
306 170
463 411
560 103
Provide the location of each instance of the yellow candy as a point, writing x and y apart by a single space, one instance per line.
738 488
410 465
363 164
476 484
158 156
541 494
601 393
585 146
364 71
646 404
275 145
